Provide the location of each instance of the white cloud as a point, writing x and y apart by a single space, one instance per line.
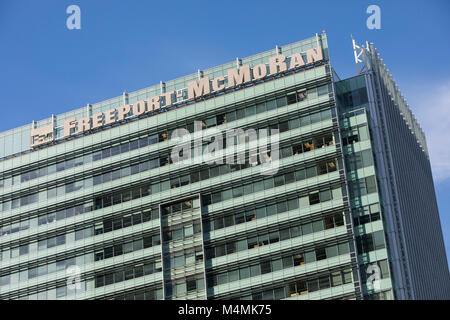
431 105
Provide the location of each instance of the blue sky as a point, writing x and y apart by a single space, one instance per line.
129 45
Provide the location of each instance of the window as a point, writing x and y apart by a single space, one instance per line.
331 251
240 114
228 221
299 260
231 247
210 122
274 237
148 268
240 218
314 198
244 273
296 231
129 274
266 267
218 223
284 234
138 244
109 252
325 195
270 105
291 289
313 285
268 295
61 292
301 287
336 279
220 119
237 192
263 240
300 174
297 149
384 268
378 240
307 228
252 243
23 249
250 216
250 110
255 270
301 96
268 183
278 181
277 265
371 184
315 117
321 254
281 101
188 230
258 186
191 284
99 256
325 115
291 98
339 219
220 250
177 234
329 222
324 282
347 276
283 127
322 168
179 261
343 248
311 172
148 242
310 256
260 107
109 279
128 247
287 262
230 116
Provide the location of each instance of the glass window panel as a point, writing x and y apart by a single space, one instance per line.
255 270
318 226
287 262
331 251
310 256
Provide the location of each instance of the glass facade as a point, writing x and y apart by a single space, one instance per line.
111 215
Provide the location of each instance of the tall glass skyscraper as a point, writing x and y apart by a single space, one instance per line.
96 204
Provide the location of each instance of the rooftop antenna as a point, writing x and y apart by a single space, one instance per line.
88 110
124 97
361 55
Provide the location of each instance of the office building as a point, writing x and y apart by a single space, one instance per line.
334 201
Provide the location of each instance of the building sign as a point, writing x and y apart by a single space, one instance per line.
195 89
41 135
